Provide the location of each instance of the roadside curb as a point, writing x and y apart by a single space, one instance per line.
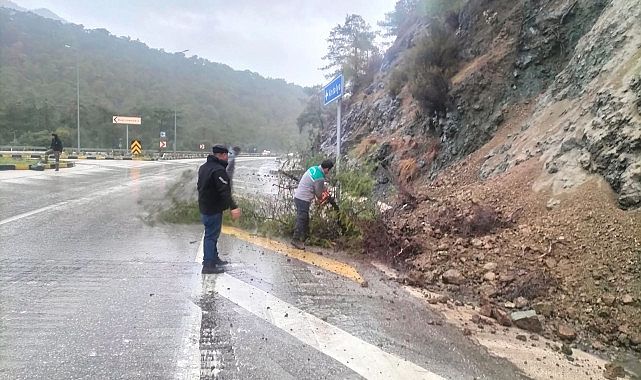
329 264
76 157
35 167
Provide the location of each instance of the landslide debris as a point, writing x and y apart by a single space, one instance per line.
524 197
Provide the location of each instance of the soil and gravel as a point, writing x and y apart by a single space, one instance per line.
524 200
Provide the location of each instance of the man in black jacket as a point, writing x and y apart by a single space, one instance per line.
56 149
214 197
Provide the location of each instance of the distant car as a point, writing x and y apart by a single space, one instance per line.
267 152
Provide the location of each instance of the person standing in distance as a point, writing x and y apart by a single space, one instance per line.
56 149
214 197
231 162
310 186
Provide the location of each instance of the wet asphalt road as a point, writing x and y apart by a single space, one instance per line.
89 290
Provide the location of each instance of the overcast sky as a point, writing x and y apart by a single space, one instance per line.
276 38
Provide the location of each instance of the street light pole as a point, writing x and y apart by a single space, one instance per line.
78 99
77 94
175 130
175 138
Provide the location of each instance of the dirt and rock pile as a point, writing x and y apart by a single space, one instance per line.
526 195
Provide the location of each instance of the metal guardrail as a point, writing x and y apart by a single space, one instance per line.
36 152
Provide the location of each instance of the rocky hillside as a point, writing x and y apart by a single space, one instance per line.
525 193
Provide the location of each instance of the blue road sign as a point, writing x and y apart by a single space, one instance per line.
334 89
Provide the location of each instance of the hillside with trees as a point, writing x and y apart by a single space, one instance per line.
120 76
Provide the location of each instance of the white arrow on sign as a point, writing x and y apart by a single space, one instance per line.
127 120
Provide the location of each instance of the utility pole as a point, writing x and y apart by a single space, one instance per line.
175 129
77 93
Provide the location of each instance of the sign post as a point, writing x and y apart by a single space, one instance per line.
334 91
127 120
136 147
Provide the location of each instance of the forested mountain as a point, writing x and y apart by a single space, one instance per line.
120 76
40 11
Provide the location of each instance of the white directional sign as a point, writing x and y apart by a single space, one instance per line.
127 120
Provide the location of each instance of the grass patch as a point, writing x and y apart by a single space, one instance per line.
181 213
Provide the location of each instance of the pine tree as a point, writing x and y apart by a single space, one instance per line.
395 20
350 47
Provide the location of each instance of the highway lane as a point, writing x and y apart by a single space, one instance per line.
88 289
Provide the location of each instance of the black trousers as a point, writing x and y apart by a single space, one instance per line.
302 219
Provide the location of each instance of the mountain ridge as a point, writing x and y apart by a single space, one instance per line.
121 76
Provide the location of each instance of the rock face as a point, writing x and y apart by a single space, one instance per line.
546 97
588 120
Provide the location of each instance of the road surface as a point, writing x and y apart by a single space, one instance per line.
89 289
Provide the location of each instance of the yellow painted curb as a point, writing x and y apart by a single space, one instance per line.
323 262
22 166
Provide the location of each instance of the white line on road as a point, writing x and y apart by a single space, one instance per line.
189 358
363 358
88 198
200 253
33 212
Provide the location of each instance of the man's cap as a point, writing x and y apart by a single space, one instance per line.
219 148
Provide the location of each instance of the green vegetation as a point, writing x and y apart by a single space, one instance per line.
396 81
276 215
394 21
428 67
181 213
351 48
357 182
120 76
440 8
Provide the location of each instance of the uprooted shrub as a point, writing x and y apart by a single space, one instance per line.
343 227
380 242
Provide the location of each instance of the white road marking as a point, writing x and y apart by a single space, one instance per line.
33 212
200 254
363 358
189 359
88 198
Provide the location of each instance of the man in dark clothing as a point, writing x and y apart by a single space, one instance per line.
56 149
214 197
231 162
